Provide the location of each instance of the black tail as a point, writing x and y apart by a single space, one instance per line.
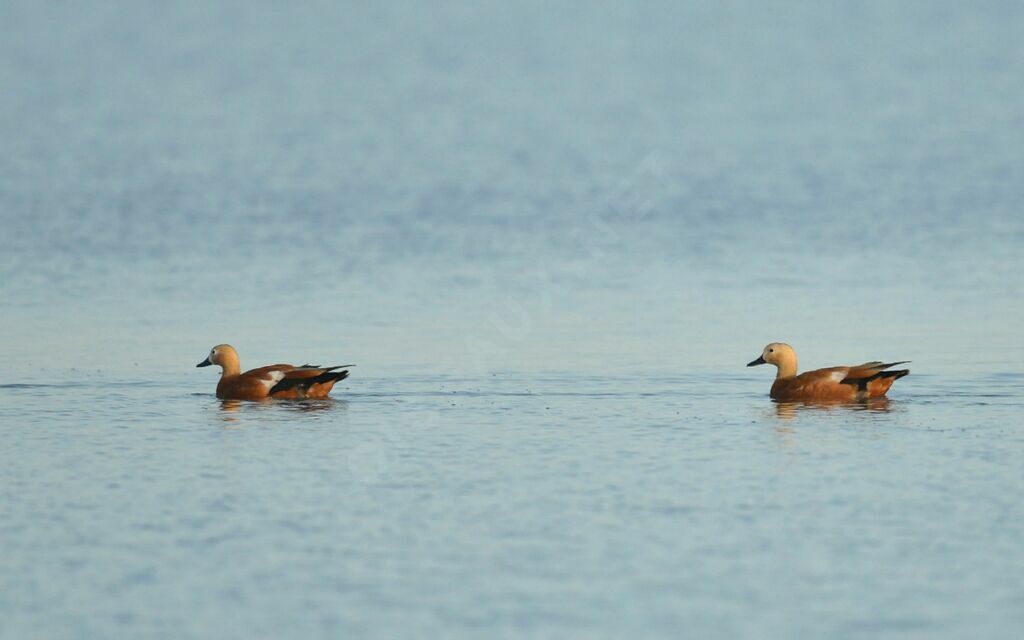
894 374
327 376
862 383
899 373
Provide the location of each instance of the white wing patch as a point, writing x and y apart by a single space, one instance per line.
273 377
838 376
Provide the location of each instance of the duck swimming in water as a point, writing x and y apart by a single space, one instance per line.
868 380
282 381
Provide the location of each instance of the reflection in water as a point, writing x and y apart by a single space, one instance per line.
310 406
230 406
789 410
231 410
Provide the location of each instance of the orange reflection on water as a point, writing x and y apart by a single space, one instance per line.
789 410
233 410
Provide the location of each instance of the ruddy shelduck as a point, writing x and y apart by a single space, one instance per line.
283 381
834 384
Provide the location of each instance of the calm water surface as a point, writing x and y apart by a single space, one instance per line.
553 505
550 236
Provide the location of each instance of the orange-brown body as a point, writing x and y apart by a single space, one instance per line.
822 385
278 381
834 384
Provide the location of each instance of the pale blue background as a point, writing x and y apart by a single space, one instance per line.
550 235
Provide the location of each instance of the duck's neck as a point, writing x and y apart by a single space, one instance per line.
786 368
230 368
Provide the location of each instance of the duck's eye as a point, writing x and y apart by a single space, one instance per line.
771 351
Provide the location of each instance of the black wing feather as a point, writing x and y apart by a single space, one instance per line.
327 376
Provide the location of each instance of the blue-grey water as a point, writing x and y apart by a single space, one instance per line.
550 235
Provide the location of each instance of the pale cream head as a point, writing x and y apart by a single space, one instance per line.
781 355
223 355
